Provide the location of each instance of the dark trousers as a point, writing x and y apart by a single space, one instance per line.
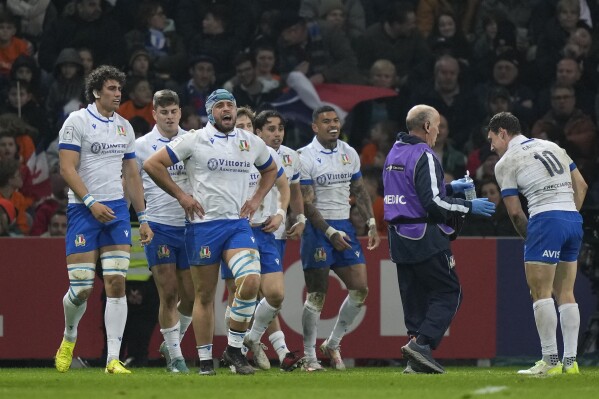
430 294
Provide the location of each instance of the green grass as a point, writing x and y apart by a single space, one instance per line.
356 383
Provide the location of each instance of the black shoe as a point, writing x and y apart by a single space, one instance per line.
238 363
421 357
290 362
206 367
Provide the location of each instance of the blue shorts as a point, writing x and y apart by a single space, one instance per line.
205 242
281 247
167 246
270 261
85 233
317 251
553 236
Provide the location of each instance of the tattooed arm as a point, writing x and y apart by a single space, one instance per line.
364 205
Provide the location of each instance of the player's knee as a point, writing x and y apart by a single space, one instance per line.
115 263
358 297
242 310
169 299
81 281
245 266
315 301
275 299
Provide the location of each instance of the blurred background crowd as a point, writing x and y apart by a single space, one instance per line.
467 58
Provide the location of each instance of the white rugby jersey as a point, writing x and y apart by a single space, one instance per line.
160 206
330 172
540 170
103 144
270 203
291 164
218 168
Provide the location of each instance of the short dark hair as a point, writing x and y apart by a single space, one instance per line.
243 57
262 118
398 12
7 17
321 110
164 98
97 77
507 121
8 168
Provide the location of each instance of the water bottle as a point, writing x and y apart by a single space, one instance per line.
470 193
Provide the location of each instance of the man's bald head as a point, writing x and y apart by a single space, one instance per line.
423 121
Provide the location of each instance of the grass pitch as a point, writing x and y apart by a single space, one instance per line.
355 383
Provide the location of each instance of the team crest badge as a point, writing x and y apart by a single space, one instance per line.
205 252
320 255
163 251
286 160
80 240
244 145
120 130
345 159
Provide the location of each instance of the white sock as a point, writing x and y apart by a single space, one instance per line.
546 320
310 319
277 339
171 337
185 322
263 316
115 318
569 318
347 314
72 316
204 352
227 316
235 338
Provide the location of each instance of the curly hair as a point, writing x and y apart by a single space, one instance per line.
97 77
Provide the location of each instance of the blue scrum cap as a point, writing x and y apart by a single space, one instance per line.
216 96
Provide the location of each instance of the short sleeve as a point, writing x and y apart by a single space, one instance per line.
130 151
297 168
505 174
181 147
263 157
70 136
305 168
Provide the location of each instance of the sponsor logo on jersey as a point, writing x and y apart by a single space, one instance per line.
108 148
286 160
320 255
205 252
80 240
345 159
68 133
244 145
330 178
120 130
163 251
227 165
395 168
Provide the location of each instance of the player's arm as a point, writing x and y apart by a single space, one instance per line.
364 205
517 215
268 175
156 167
273 222
134 191
69 160
296 203
579 186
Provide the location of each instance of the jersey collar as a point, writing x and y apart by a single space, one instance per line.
215 133
155 134
93 111
519 139
320 147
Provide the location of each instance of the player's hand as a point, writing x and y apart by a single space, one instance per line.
191 206
340 241
101 212
272 223
373 238
145 234
482 207
249 208
459 185
296 230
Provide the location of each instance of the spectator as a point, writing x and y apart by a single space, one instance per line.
190 120
25 69
264 55
381 138
57 226
49 205
486 170
202 83
250 90
141 66
447 36
87 60
452 160
10 46
16 138
429 10
33 15
139 104
8 214
347 15
10 183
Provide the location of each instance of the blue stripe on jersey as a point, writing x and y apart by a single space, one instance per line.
306 182
509 192
524 142
266 164
280 172
572 166
172 155
100 119
129 155
295 176
71 147
356 175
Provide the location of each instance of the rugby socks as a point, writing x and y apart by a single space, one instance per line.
72 316
115 317
546 320
227 316
185 322
277 339
310 319
204 352
569 318
171 337
263 316
347 314
235 338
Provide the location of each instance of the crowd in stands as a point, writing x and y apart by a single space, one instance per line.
469 59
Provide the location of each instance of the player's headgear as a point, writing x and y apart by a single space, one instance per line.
216 96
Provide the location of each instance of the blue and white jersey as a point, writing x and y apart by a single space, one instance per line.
291 164
160 206
103 144
270 204
540 170
218 168
330 172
